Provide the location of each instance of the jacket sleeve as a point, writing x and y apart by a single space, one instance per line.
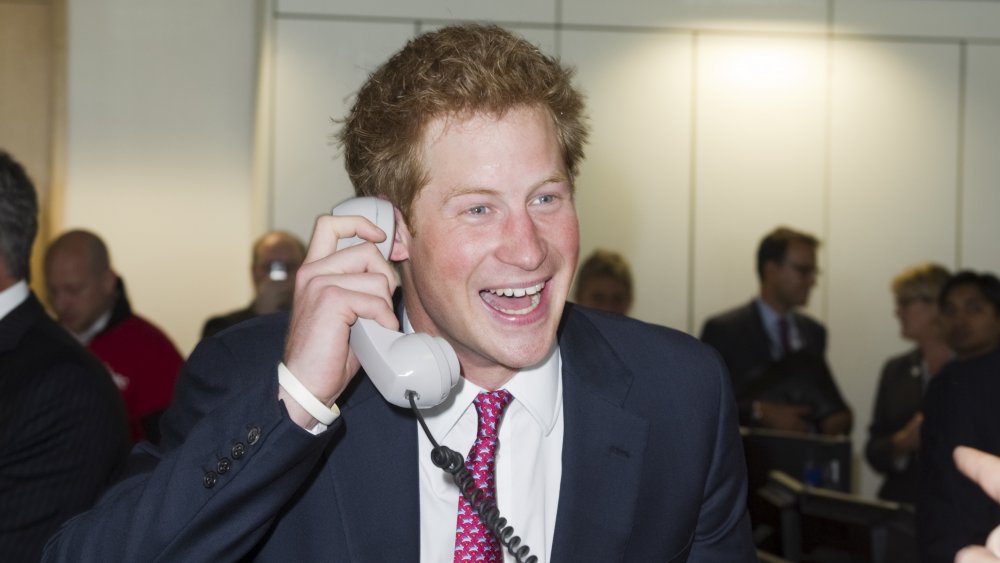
723 529
234 460
878 448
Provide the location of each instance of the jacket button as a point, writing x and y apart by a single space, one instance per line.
211 478
223 466
253 436
238 450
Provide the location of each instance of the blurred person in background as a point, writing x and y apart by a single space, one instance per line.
894 433
276 257
960 409
63 435
605 282
89 299
776 355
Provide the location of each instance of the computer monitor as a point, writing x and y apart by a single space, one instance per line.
814 459
825 526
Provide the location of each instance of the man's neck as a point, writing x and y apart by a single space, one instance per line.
969 354
775 304
94 329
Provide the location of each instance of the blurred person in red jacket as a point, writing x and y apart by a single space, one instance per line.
88 298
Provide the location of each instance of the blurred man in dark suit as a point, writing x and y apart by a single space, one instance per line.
63 434
960 410
776 355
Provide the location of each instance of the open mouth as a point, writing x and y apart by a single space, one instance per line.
514 300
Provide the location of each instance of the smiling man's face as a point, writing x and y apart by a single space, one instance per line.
495 241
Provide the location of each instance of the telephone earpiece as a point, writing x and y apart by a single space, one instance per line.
397 363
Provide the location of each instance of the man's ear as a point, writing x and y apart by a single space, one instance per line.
109 281
401 239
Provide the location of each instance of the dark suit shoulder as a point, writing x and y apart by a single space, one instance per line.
44 344
971 371
658 357
813 331
218 323
736 318
902 363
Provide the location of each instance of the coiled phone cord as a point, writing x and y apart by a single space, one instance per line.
453 463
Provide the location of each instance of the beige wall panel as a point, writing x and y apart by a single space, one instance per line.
27 64
744 15
892 203
760 137
514 11
542 37
319 66
980 212
633 190
971 19
159 139
25 96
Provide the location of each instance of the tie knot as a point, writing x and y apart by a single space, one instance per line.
490 406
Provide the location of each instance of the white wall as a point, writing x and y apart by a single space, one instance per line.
160 107
870 123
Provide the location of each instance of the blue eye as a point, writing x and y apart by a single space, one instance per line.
477 210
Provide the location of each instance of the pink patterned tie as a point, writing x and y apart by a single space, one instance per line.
473 540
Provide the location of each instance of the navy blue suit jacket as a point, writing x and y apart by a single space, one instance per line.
653 466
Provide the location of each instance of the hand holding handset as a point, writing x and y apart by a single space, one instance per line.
397 363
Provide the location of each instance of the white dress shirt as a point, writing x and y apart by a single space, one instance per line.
87 335
528 461
11 297
528 468
771 319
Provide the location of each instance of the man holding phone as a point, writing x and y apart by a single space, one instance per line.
618 440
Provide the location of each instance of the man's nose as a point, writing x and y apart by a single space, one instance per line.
521 242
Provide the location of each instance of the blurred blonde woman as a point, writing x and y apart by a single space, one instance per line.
894 434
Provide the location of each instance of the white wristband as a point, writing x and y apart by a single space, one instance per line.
325 415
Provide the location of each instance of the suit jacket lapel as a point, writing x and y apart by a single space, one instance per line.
761 341
603 447
375 476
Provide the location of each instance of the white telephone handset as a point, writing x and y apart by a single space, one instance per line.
397 363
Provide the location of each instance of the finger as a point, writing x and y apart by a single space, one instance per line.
993 542
363 259
369 296
359 258
975 554
981 467
328 230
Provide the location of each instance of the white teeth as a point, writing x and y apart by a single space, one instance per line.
534 292
535 300
518 291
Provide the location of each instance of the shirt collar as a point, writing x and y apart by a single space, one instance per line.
537 388
86 336
768 314
13 296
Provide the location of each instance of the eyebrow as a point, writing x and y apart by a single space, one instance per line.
458 192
